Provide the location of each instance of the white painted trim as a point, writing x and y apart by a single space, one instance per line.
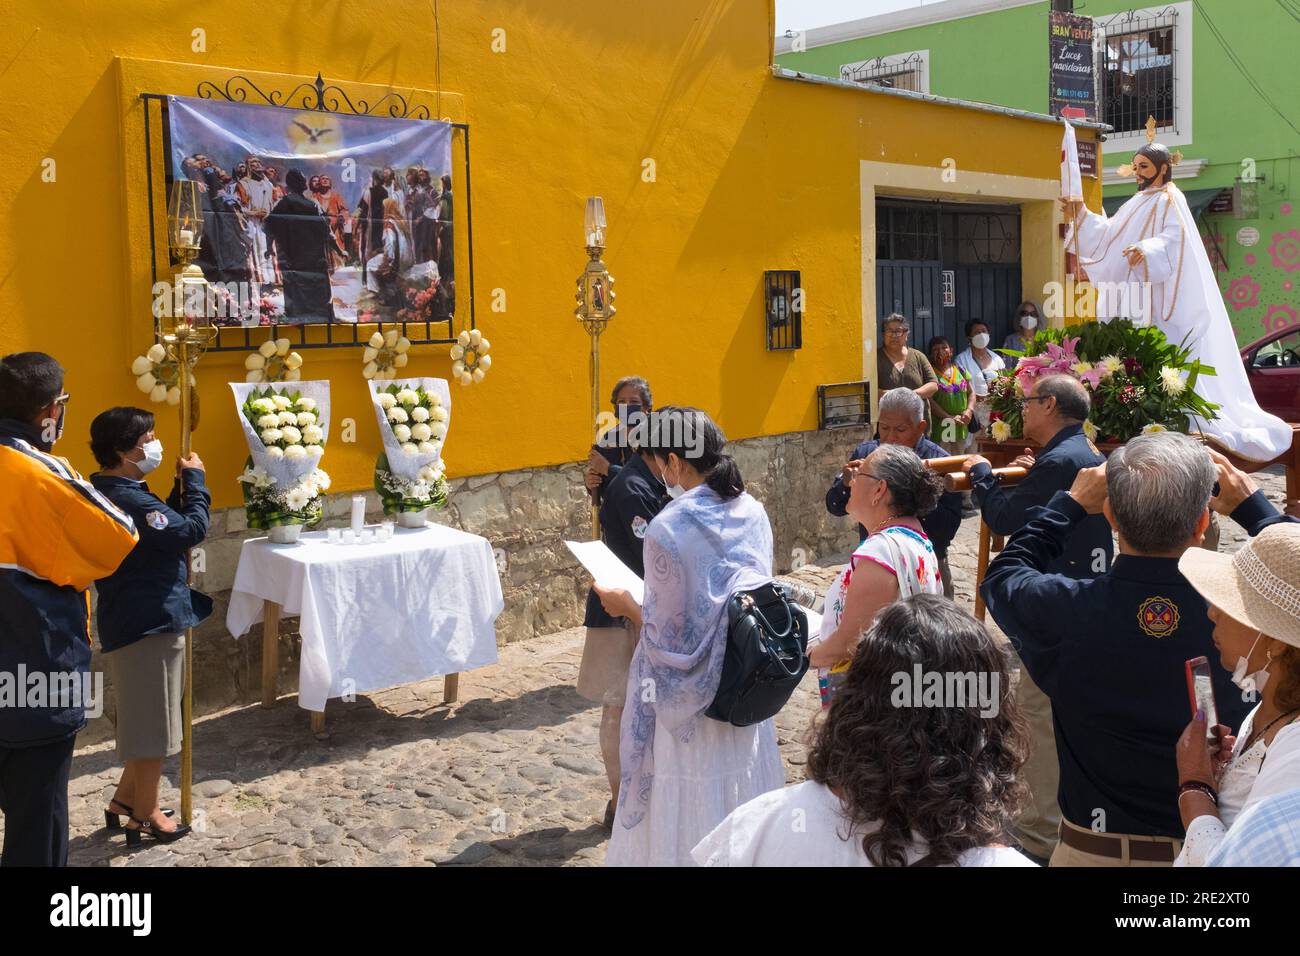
898 20
890 60
902 179
1187 169
1181 134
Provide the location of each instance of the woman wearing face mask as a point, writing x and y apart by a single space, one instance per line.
144 608
1254 599
1028 317
952 409
681 771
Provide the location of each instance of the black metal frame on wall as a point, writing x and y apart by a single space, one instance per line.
326 98
783 309
843 405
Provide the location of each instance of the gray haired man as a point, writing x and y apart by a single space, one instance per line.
1109 651
901 421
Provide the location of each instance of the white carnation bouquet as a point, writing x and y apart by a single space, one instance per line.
413 416
285 428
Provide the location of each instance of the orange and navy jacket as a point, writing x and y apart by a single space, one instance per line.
57 535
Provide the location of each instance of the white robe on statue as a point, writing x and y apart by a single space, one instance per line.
1185 304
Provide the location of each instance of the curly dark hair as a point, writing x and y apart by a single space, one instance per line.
944 774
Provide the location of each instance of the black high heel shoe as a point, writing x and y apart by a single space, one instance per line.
133 836
113 821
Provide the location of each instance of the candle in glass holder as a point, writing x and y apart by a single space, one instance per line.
358 513
187 237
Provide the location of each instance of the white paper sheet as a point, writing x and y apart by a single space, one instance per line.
606 569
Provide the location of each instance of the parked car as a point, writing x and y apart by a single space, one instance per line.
1273 367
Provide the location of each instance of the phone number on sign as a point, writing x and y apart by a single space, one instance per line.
1196 898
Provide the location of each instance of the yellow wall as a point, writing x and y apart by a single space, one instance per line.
753 173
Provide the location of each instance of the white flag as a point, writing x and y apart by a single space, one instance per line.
1071 180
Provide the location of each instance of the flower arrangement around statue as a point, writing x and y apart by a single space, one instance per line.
1138 380
413 416
286 430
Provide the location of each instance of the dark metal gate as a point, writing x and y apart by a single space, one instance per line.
942 264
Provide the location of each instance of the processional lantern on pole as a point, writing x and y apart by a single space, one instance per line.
185 333
595 298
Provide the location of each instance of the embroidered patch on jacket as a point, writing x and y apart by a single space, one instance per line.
156 520
639 524
1158 616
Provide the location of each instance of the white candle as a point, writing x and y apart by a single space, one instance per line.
358 513
187 237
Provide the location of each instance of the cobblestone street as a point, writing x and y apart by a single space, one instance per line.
510 775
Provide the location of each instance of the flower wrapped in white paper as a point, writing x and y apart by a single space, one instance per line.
409 474
282 482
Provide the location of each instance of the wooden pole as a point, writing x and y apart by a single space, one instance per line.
595 412
186 385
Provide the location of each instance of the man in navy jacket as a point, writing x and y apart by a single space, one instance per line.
1054 412
1110 651
901 421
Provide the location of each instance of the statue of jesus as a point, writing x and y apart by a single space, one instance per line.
1152 240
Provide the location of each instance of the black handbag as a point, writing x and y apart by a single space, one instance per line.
767 656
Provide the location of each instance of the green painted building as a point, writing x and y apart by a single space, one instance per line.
1219 76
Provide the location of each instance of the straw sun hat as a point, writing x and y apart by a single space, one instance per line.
1258 586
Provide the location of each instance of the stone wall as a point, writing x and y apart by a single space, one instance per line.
526 515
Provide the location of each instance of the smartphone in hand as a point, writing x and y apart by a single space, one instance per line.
1200 692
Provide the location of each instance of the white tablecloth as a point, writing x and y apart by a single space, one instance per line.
375 615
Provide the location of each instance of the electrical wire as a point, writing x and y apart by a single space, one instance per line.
1241 67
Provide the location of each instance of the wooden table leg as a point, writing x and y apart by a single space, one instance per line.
450 688
270 651
318 723
982 565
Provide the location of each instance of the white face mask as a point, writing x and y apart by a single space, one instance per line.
1254 682
1028 322
674 490
153 456
980 341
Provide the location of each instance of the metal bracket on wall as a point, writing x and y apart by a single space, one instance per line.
327 98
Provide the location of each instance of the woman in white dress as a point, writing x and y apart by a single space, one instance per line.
1254 599
888 495
894 777
683 772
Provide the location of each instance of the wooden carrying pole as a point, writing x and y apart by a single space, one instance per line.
956 480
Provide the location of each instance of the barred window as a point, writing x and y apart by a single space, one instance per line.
1138 60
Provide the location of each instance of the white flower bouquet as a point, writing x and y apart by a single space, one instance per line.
285 428
413 416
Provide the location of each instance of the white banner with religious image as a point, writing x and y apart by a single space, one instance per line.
286 425
414 415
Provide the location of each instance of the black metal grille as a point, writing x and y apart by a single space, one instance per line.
1139 63
783 300
889 72
843 404
325 98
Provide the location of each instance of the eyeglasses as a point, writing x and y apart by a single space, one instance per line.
1034 314
902 331
62 399
867 474
1034 398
